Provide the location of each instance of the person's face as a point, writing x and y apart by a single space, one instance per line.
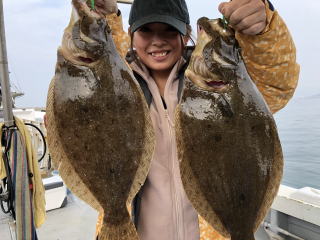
158 46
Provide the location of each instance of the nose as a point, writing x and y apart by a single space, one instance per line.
158 39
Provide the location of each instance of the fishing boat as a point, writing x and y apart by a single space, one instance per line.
294 215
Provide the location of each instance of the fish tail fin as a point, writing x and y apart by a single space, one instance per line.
121 231
248 236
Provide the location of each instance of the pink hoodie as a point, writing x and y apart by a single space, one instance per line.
165 211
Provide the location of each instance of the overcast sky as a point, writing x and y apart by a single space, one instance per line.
34 29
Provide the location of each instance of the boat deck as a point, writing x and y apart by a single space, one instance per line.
292 217
75 221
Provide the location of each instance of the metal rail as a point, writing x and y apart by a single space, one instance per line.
4 74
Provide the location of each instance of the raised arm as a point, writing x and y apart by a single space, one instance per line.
267 48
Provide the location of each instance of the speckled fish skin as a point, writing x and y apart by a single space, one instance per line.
229 151
98 118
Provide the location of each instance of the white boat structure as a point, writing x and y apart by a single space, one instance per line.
294 215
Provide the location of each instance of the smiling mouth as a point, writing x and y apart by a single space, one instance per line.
159 54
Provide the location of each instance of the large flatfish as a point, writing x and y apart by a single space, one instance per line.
229 151
99 129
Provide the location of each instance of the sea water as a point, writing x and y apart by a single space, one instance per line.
299 130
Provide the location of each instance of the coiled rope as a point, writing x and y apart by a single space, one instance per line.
7 197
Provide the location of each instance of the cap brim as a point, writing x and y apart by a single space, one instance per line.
177 24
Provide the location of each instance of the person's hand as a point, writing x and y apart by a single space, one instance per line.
245 16
105 7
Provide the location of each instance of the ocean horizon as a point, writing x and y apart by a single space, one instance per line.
299 132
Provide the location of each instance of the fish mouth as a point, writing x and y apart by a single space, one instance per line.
217 85
86 59
198 73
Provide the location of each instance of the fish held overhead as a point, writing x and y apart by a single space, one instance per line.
99 130
229 151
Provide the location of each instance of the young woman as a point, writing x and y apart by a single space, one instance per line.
159 33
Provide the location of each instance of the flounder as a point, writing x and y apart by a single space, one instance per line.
230 155
99 130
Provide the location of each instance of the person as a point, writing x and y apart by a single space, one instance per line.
159 32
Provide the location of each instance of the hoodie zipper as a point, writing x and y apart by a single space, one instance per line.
176 199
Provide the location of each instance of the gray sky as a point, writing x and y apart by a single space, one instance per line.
34 29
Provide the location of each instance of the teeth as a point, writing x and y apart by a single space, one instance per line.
159 54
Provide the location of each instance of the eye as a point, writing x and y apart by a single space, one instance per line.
144 29
171 29
171 32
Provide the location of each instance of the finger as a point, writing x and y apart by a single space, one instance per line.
241 13
251 20
254 29
100 4
83 9
106 7
227 8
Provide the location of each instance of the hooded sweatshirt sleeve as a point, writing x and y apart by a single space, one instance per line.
270 58
120 37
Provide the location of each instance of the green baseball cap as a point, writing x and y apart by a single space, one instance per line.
172 12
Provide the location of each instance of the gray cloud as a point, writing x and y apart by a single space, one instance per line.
33 32
34 29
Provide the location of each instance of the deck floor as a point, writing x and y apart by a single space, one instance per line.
75 221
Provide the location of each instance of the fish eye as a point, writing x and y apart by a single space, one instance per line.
200 29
